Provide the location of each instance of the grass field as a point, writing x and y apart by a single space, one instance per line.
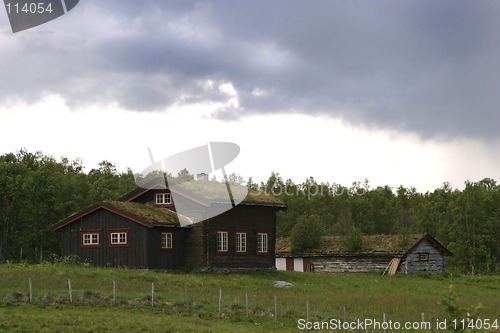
402 298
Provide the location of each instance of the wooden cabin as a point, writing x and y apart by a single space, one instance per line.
144 230
388 253
426 255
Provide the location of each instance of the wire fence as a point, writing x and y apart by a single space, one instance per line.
217 303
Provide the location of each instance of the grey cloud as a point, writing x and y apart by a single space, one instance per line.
424 66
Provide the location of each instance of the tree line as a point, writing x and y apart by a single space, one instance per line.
466 221
37 191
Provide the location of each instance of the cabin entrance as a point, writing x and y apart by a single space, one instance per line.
289 264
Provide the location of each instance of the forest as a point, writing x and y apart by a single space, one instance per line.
37 191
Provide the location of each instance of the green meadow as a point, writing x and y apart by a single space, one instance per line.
189 302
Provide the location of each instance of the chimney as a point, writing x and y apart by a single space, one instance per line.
202 177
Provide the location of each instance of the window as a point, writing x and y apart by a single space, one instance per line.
222 241
262 243
90 238
163 198
118 238
241 242
423 257
167 241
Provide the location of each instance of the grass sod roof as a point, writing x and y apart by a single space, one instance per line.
262 197
211 191
217 192
372 244
146 213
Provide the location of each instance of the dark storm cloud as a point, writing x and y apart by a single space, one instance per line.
430 67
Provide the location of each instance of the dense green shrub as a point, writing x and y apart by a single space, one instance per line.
353 241
306 234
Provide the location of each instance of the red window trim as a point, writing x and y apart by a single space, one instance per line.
113 231
245 253
259 253
161 241
227 252
156 204
90 231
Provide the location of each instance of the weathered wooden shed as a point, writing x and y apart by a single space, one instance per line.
413 254
144 230
426 255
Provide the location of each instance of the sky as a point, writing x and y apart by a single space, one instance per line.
396 92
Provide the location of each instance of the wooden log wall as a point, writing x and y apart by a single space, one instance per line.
352 263
415 262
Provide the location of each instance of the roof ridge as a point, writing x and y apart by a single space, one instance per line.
201 191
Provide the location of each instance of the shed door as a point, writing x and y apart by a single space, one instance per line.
289 264
307 265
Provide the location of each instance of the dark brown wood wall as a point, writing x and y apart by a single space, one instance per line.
183 205
189 247
132 255
251 220
166 258
195 248
150 199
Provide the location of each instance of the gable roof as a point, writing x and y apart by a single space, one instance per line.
392 245
160 183
427 237
206 192
136 212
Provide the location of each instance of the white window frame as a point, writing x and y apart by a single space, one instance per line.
222 241
90 239
163 198
262 242
167 241
120 239
241 242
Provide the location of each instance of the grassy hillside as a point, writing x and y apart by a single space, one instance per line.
401 298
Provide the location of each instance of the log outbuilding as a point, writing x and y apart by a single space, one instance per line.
387 253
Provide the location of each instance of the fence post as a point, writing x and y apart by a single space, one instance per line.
307 310
384 322
70 291
275 308
152 294
220 301
187 298
114 292
30 287
246 304
345 316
